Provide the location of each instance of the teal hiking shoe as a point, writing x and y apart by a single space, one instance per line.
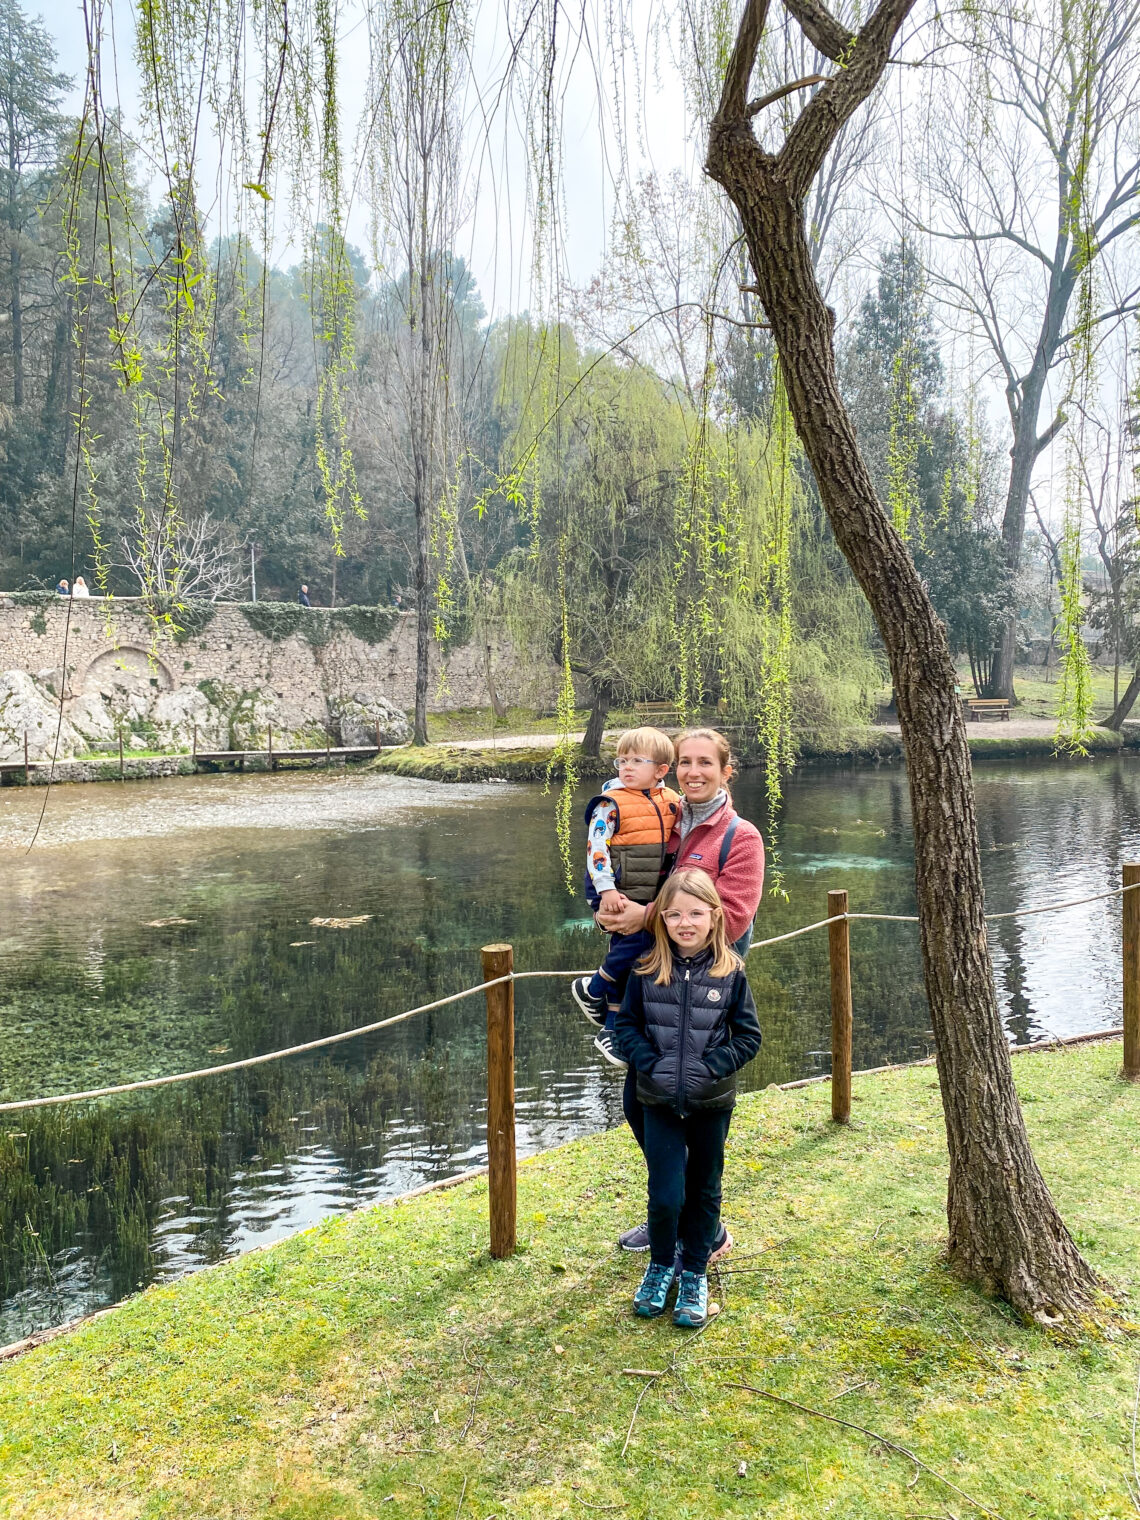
692 1308
649 1300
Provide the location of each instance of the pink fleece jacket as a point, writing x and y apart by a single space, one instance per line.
741 883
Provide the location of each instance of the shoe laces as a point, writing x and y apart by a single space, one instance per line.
655 1276
692 1290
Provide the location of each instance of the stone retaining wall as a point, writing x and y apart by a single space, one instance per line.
232 669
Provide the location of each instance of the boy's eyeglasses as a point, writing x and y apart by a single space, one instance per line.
697 916
633 760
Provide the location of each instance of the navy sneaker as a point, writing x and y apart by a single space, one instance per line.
649 1300
605 1043
593 1007
636 1239
692 1307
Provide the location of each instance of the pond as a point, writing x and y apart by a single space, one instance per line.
158 927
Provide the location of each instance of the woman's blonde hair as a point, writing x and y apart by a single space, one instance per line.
658 962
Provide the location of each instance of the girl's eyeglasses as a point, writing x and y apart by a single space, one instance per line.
697 916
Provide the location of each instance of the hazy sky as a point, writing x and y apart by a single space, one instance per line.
494 237
655 134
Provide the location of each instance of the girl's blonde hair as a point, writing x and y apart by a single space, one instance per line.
658 962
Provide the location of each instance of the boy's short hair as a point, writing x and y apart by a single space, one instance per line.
647 741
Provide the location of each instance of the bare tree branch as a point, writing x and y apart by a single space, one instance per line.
819 26
756 106
739 71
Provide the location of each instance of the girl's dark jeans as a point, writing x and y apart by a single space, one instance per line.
685 1157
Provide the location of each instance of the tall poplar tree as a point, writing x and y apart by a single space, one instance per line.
30 126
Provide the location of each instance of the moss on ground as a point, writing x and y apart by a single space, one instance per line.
441 762
383 1365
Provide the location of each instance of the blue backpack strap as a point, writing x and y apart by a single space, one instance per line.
726 844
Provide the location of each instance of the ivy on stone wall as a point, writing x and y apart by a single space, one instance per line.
33 598
189 619
318 625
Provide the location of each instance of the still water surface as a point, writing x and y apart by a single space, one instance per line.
162 926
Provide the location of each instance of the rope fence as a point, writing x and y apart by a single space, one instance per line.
832 923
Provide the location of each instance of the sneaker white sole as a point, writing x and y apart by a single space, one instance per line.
588 1009
611 1056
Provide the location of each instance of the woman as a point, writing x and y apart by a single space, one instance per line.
711 836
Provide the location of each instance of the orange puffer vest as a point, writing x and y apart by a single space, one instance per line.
642 815
641 840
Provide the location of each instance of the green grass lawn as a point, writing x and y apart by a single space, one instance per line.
382 1365
1038 696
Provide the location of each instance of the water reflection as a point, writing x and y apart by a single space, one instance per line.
165 926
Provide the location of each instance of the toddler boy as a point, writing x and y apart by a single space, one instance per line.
627 840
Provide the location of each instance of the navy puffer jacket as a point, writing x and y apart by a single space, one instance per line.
687 1040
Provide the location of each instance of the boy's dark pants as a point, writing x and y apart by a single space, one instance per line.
685 1157
611 976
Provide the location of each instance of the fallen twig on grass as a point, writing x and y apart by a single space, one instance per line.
644 1372
652 1379
475 1396
1134 1486
903 1451
843 1392
633 1418
462 1496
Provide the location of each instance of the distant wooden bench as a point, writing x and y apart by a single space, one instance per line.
986 707
657 713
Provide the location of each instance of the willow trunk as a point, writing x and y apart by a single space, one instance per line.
1004 1231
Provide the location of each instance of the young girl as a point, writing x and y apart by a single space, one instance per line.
687 1025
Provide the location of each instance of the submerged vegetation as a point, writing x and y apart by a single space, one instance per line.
384 1364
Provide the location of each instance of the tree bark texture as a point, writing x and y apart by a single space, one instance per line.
16 308
423 601
1125 705
596 723
1005 1232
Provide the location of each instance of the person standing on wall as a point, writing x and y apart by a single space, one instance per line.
303 597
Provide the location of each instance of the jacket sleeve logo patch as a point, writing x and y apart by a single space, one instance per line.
714 995
695 856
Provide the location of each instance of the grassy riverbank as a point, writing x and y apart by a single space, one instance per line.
863 746
383 1365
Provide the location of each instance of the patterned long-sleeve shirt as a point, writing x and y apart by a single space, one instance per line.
599 832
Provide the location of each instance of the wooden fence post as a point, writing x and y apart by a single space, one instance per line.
839 954
120 754
1131 904
271 746
377 735
27 768
499 960
195 749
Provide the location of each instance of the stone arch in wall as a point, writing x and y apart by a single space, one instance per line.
129 667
